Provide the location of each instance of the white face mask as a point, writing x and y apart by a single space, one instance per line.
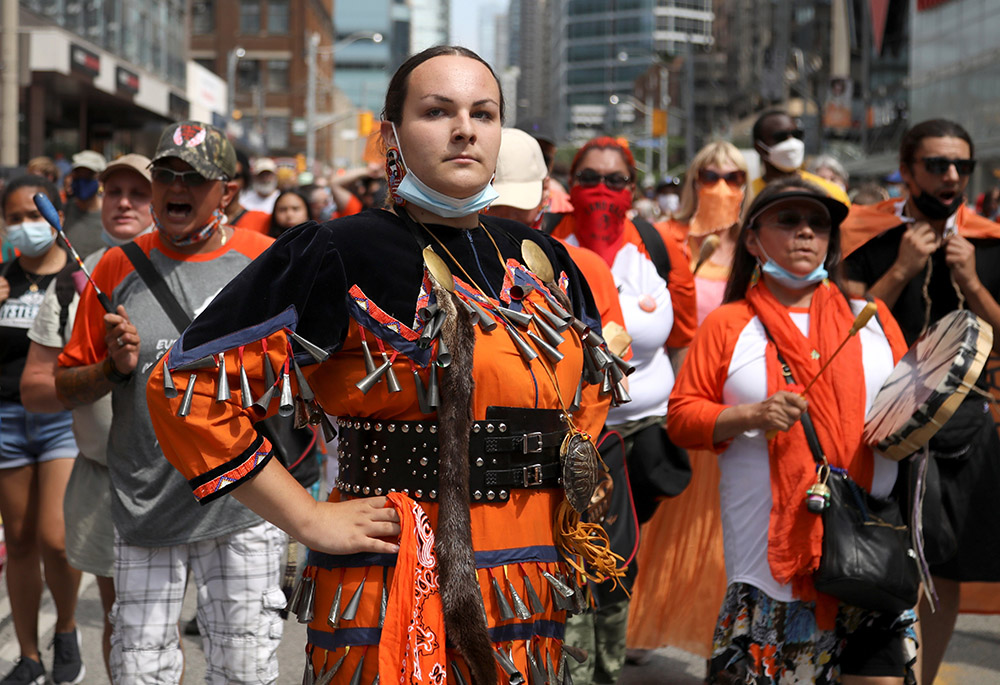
265 188
669 203
787 155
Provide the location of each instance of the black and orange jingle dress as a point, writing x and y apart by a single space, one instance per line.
360 282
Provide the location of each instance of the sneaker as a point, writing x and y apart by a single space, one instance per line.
26 672
67 666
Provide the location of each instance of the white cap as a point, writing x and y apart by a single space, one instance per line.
262 164
521 170
89 159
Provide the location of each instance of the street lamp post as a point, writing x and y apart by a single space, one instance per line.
313 52
232 59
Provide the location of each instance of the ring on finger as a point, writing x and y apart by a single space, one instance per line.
121 343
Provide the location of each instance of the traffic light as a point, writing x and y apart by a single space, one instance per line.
366 123
659 123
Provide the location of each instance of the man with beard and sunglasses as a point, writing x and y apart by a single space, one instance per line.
777 138
161 532
926 255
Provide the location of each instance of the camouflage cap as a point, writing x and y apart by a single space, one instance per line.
203 146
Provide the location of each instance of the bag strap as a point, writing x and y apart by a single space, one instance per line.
154 281
655 246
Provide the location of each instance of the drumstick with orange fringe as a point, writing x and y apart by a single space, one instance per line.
864 316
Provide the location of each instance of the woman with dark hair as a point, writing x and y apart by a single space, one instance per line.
291 208
36 450
783 302
423 328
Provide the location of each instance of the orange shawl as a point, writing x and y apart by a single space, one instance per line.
837 407
864 222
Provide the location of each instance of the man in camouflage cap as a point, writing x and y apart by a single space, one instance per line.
161 532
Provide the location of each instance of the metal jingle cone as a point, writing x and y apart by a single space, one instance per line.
433 393
557 322
391 382
169 389
264 401
421 394
328 676
333 618
591 374
376 681
549 333
626 368
558 585
443 357
524 349
456 673
385 596
329 432
431 330
222 393
292 606
486 321
578 655
473 312
367 354
601 358
369 381
621 394
286 406
560 312
595 340
550 352
315 351
582 329
577 397
567 676
203 363
520 608
185 407
514 676
535 674
308 675
506 613
521 318
307 603
246 400
269 378
351 610
550 671
606 383
427 313
580 600
305 392
519 292
533 599
617 375
356 678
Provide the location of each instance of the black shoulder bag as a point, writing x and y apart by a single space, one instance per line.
867 560
296 448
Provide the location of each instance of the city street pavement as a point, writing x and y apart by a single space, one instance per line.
973 657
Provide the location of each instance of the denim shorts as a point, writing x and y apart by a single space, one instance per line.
27 438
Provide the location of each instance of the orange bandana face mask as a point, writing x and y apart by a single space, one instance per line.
718 208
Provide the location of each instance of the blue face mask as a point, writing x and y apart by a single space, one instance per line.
85 188
786 278
32 238
412 189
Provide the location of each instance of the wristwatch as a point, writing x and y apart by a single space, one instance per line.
116 376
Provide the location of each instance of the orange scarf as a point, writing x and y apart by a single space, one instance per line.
411 649
837 407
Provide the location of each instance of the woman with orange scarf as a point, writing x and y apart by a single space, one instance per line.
782 297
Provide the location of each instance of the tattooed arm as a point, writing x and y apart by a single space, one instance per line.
79 385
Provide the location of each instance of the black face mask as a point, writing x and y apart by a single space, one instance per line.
933 208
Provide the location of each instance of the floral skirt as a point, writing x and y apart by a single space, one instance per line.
759 640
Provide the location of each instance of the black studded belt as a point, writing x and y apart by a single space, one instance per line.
512 448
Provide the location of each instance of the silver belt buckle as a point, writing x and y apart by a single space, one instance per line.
532 443
532 475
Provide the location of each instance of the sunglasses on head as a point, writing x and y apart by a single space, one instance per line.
779 136
589 178
790 219
734 178
168 176
940 165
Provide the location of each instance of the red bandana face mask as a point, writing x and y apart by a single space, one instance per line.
599 213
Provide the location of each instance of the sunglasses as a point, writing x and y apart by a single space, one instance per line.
734 178
779 136
791 219
167 176
589 178
940 165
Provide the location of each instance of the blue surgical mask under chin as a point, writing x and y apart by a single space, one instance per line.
786 278
412 189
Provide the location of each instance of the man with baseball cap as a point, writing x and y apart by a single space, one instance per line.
264 189
83 210
161 532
